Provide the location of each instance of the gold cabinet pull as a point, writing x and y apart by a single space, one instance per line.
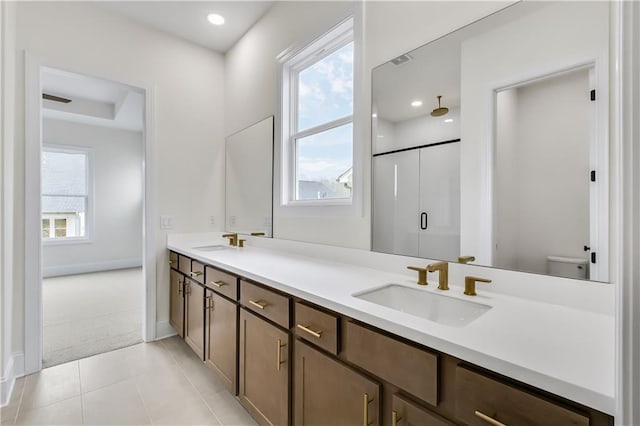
257 234
258 304
179 288
395 418
195 273
365 409
218 283
488 419
317 334
207 303
171 262
279 356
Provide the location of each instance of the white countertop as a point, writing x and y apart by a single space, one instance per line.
563 350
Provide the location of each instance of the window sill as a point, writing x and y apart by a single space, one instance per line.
319 203
66 241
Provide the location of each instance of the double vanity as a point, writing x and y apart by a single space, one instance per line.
306 334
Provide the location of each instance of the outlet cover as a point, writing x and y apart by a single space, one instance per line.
167 222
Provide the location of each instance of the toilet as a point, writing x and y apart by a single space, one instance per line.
569 267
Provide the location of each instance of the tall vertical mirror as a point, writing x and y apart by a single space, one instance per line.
249 180
491 144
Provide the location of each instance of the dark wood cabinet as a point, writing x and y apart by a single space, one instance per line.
176 302
405 412
264 370
327 392
194 316
221 355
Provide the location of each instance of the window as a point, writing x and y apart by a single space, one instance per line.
65 194
317 117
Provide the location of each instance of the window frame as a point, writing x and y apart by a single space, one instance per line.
291 63
90 185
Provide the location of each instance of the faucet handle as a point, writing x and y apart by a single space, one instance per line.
470 284
422 274
466 259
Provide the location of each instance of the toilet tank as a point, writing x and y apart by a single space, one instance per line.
569 267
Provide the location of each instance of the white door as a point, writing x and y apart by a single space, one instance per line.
440 202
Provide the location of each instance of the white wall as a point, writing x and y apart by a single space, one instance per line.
503 56
188 86
542 171
390 29
116 239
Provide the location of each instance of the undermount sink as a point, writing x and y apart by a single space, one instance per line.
425 304
216 247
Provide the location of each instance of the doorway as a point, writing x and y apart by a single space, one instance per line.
87 216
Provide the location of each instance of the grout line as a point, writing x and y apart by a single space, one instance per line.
15 416
144 405
81 393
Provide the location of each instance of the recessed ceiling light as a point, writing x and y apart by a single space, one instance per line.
416 104
449 120
215 19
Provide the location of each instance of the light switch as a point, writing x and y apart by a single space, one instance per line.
167 222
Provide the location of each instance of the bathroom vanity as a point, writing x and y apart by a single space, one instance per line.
301 339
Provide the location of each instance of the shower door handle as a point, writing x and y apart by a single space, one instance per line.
424 220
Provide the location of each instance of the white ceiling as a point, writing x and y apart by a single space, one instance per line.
94 101
188 19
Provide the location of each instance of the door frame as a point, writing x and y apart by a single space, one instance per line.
598 160
33 326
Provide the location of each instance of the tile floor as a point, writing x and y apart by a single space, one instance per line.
157 383
88 314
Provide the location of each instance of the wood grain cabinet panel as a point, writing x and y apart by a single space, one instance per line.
407 413
197 271
184 264
176 302
221 282
173 259
269 304
412 369
221 338
264 370
317 327
328 392
194 316
481 399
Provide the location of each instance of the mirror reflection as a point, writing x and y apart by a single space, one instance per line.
491 143
249 180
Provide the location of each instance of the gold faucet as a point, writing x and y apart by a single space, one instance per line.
422 274
466 259
470 284
443 276
233 239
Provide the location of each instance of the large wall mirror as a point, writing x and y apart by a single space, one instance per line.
492 143
249 180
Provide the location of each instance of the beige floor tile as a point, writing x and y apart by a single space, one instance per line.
163 387
146 357
228 409
190 411
9 411
67 412
201 376
179 349
117 404
104 369
51 385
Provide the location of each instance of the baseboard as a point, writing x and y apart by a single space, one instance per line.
164 329
83 268
15 369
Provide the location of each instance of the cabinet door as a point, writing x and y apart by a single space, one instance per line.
440 201
194 317
221 344
328 392
176 302
396 219
406 413
264 370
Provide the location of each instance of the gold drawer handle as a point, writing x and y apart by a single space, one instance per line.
488 419
317 334
365 409
218 283
279 359
258 304
195 273
171 262
395 418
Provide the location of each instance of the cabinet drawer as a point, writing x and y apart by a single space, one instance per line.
412 369
480 398
406 412
317 327
184 264
267 303
173 259
221 282
197 271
